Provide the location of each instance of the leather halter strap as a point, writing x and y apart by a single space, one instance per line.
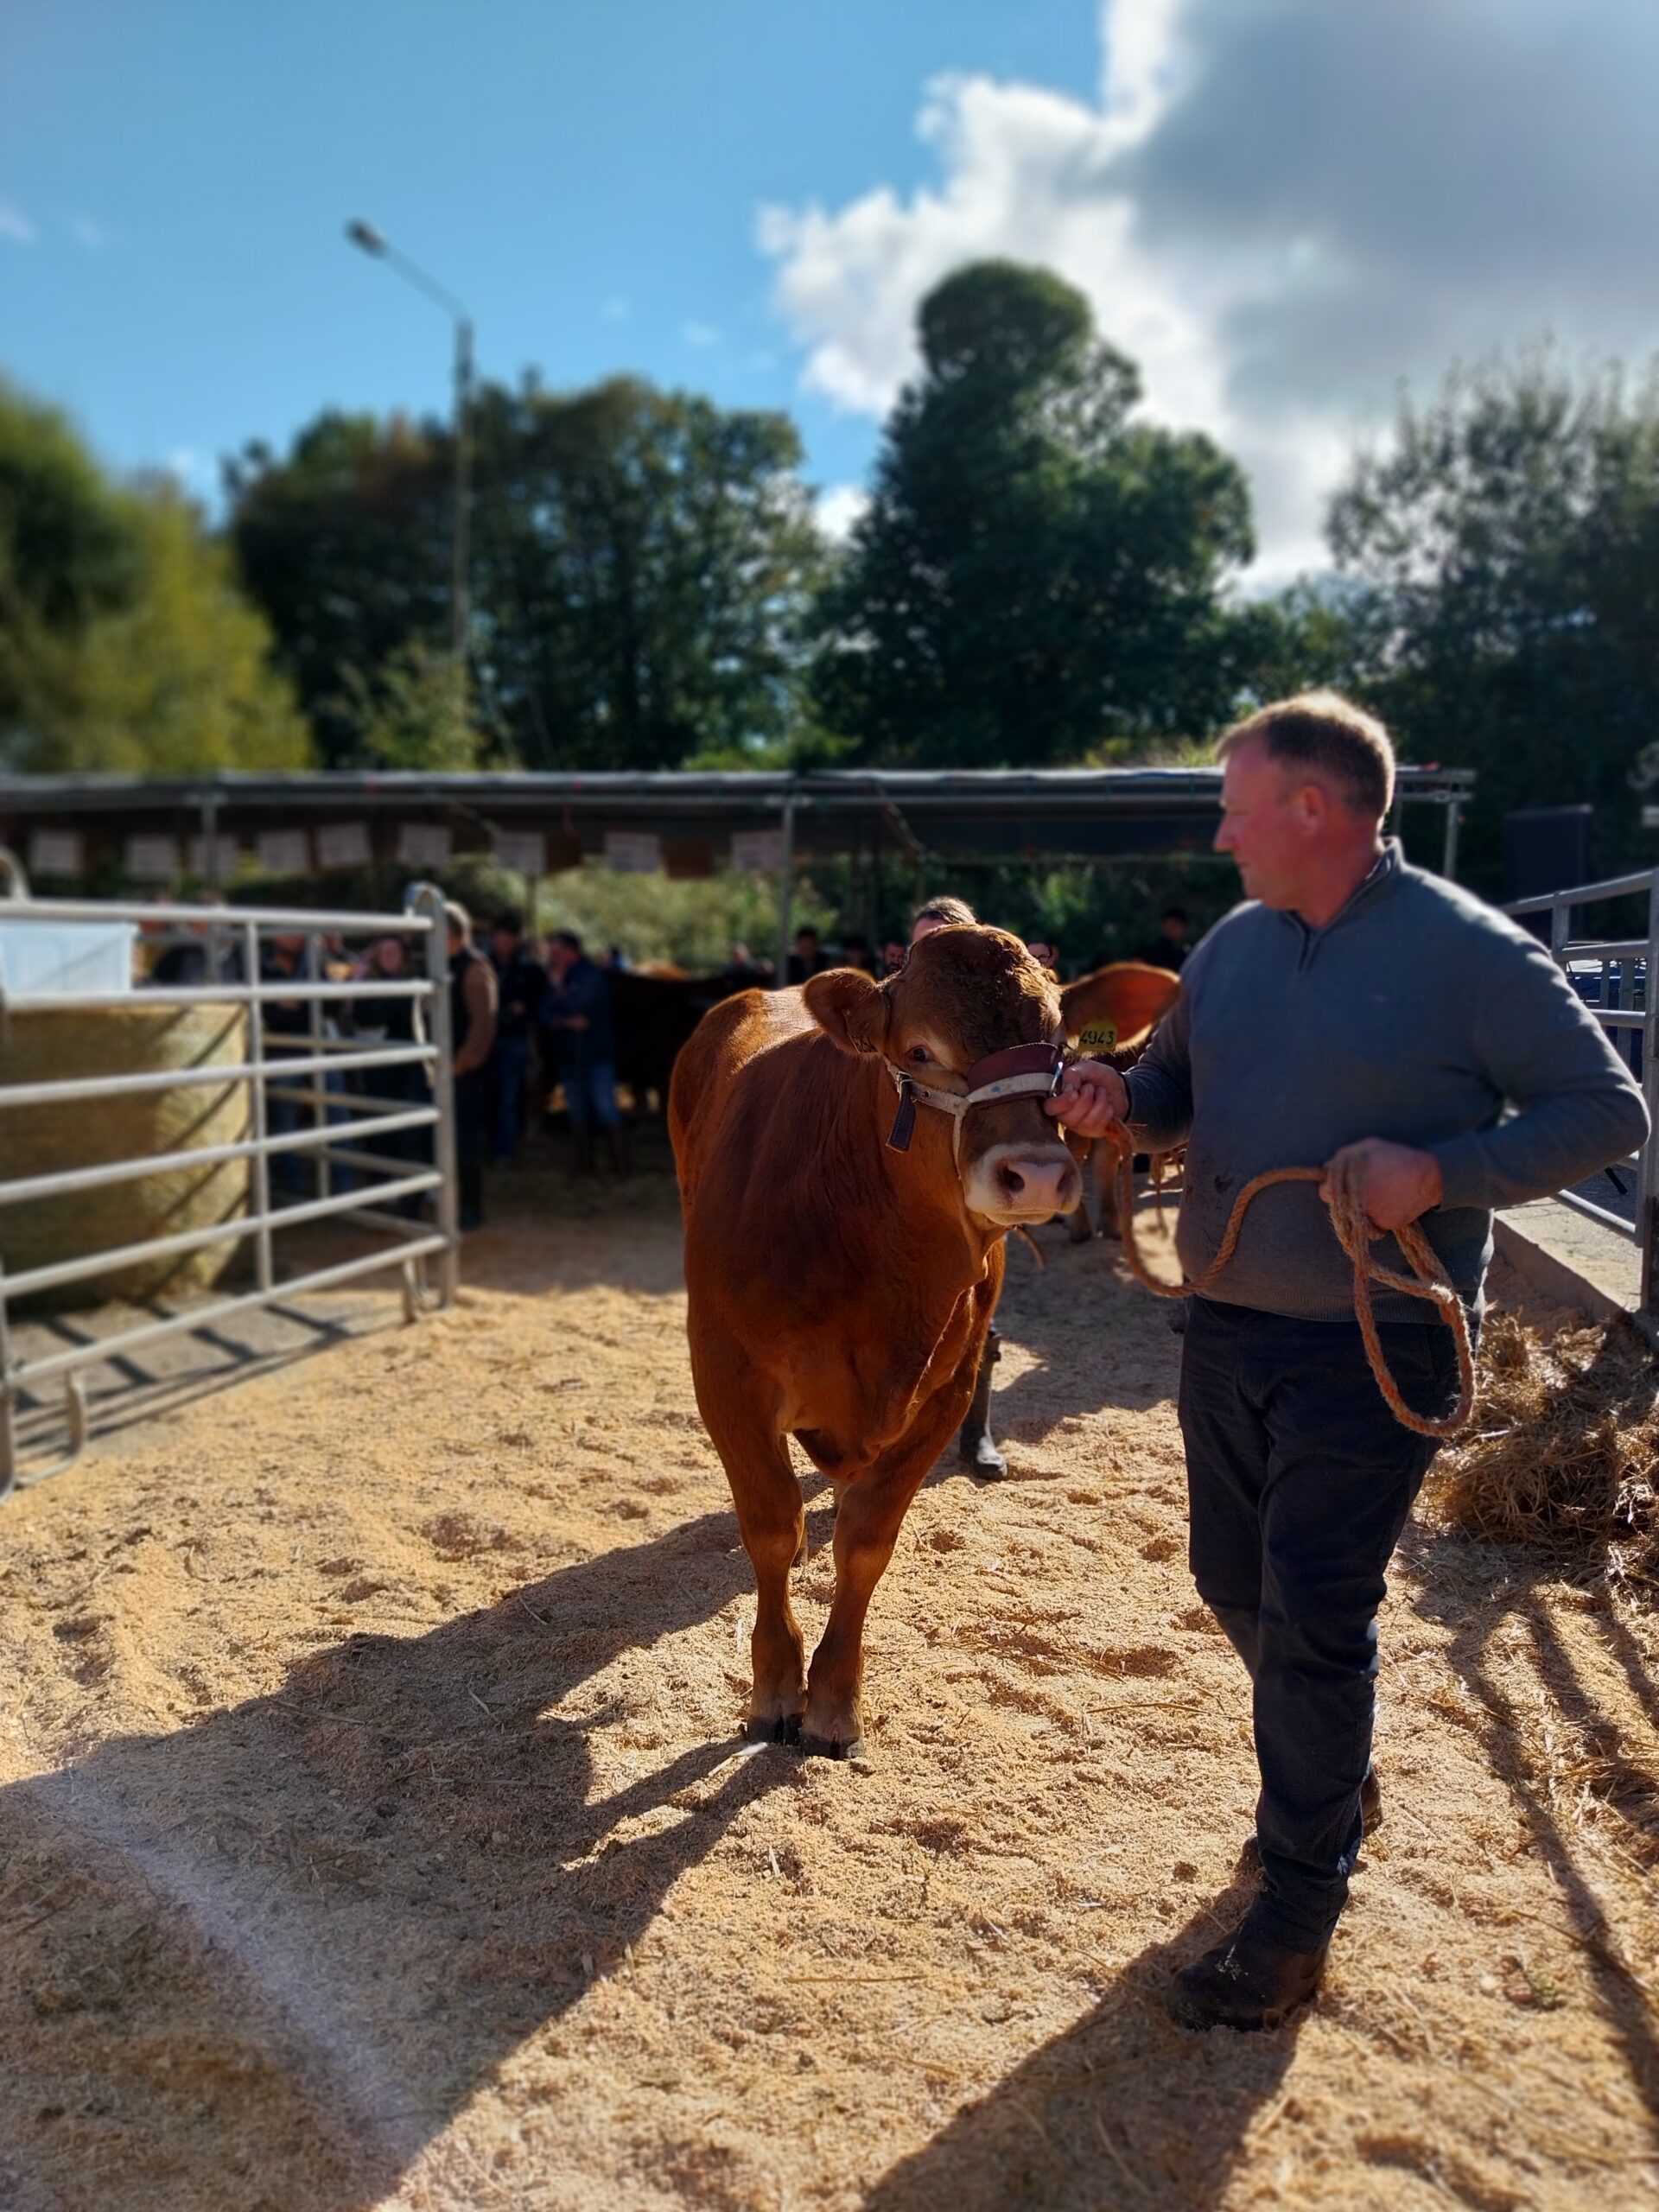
1018 1071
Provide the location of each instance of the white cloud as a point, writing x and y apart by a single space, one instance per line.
699 334
87 231
617 307
1279 208
838 509
15 226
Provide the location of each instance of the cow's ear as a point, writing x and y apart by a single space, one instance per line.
848 1008
1117 1006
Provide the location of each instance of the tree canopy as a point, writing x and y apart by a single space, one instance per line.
1504 552
643 565
1040 575
125 642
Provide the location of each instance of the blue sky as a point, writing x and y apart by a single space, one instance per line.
1282 208
586 173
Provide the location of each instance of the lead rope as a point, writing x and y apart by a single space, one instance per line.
1428 1281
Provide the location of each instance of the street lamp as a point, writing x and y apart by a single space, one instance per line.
371 242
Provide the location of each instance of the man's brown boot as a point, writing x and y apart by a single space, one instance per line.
1250 1981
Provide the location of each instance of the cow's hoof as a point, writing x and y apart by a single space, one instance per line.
981 1457
830 1747
785 1728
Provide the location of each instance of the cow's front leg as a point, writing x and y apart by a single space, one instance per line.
868 1515
771 1521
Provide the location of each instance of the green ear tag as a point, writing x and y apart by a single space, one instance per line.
1098 1037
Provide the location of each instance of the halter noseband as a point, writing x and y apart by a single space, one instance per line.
1019 1071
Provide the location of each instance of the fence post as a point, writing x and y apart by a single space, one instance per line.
428 900
8 1399
257 1093
785 892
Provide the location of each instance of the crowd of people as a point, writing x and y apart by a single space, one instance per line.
526 1021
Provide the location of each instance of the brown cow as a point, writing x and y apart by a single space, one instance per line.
851 1155
1110 1015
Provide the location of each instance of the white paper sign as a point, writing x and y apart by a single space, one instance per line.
212 861
283 852
632 852
343 845
153 860
55 852
521 852
757 852
422 844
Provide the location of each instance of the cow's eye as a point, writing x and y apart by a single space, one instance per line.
920 1054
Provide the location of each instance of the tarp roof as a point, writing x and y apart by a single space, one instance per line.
1008 813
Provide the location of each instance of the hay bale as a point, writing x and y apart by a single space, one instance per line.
1563 1451
55 1045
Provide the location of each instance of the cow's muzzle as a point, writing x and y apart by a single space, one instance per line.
1012 1184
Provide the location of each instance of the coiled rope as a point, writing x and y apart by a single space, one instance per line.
1356 1234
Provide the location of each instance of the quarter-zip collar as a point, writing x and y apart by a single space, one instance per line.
1384 878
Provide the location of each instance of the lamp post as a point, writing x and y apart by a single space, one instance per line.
371 241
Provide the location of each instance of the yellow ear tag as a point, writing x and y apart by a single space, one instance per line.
1098 1037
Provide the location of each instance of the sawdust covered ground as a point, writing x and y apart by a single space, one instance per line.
374 1830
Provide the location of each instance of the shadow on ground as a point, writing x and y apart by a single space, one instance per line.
264 1960
1087 2123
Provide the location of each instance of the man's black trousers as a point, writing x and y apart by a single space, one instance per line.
1300 1480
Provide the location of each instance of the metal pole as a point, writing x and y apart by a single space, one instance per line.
261 1161
459 582
1449 863
319 1078
210 840
428 900
785 892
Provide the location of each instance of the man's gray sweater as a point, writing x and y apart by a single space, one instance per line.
1417 1013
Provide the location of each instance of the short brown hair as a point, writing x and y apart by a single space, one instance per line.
1324 731
956 910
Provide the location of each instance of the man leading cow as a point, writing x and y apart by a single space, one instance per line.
1360 1014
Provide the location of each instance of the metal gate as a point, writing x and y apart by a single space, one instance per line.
1617 976
301 1070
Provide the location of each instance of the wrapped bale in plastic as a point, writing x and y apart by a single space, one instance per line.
54 1045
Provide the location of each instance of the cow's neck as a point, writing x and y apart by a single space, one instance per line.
927 1194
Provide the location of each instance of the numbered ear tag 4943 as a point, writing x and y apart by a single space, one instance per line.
1098 1037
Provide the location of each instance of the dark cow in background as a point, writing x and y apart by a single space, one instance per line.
657 1008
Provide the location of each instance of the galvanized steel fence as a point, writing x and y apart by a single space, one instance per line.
300 1070
1616 978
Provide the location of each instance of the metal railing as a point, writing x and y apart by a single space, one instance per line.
299 1070
1623 973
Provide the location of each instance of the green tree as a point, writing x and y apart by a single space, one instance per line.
647 562
1040 575
344 543
1504 548
643 564
405 716
126 643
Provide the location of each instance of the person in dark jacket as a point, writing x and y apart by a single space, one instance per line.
521 982
578 1020
472 1032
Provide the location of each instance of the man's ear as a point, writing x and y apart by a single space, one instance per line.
850 1009
1115 1007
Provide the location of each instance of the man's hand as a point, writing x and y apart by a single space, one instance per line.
1394 1182
1091 1096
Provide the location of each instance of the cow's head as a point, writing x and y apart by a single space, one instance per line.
963 995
